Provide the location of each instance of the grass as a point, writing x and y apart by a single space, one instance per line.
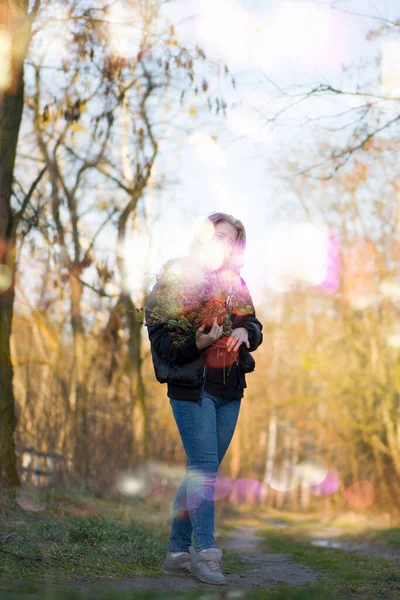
82 547
65 548
389 536
345 574
96 593
82 540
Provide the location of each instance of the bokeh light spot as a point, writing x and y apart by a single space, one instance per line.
29 500
229 276
200 486
329 485
286 480
223 487
5 278
124 29
212 255
311 473
207 150
359 274
5 58
392 336
390 288
130 484
331 282
297 253
206 231
390 68
360 495
246 491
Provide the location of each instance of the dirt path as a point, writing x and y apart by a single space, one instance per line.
326 538
263 570
329 537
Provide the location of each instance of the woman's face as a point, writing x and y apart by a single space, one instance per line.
226 235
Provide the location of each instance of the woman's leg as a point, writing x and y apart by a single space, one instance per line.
197 426
181 530
227 416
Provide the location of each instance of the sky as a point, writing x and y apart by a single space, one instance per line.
226 164
235 164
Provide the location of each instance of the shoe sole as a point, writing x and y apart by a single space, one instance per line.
209 582
177 573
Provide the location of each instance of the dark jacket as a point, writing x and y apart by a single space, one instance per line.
184 367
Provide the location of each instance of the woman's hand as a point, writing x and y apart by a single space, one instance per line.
203 340
237 337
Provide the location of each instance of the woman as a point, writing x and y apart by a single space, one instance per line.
206 378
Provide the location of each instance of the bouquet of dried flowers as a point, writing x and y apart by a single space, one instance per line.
183 303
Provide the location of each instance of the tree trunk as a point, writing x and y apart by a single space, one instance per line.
79 384
139 430
11 107
8 463
138 396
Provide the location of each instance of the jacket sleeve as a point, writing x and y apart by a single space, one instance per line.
250 322
161 340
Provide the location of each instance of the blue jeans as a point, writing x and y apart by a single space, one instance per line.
206 431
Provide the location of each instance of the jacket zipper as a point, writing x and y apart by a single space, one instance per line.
204 381
238 373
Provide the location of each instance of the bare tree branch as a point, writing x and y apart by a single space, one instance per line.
27 199
99 230
348 152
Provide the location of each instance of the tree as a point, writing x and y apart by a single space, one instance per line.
362 123
16 20
97 126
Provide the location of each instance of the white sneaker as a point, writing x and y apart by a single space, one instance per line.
206 565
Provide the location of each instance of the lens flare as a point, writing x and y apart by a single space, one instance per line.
232 40
187 271
5 59
286 480
130 484
124 32
332 277
207 150
216 488
223 487
5 278
390 68
297 253
246 491
212 256
29 500
230 277
138 247
311 473
392 336
328 486
359 274
247 122
206 231
303 32
360 495
200 486
390 288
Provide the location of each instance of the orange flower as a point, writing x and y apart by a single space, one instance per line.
212 309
